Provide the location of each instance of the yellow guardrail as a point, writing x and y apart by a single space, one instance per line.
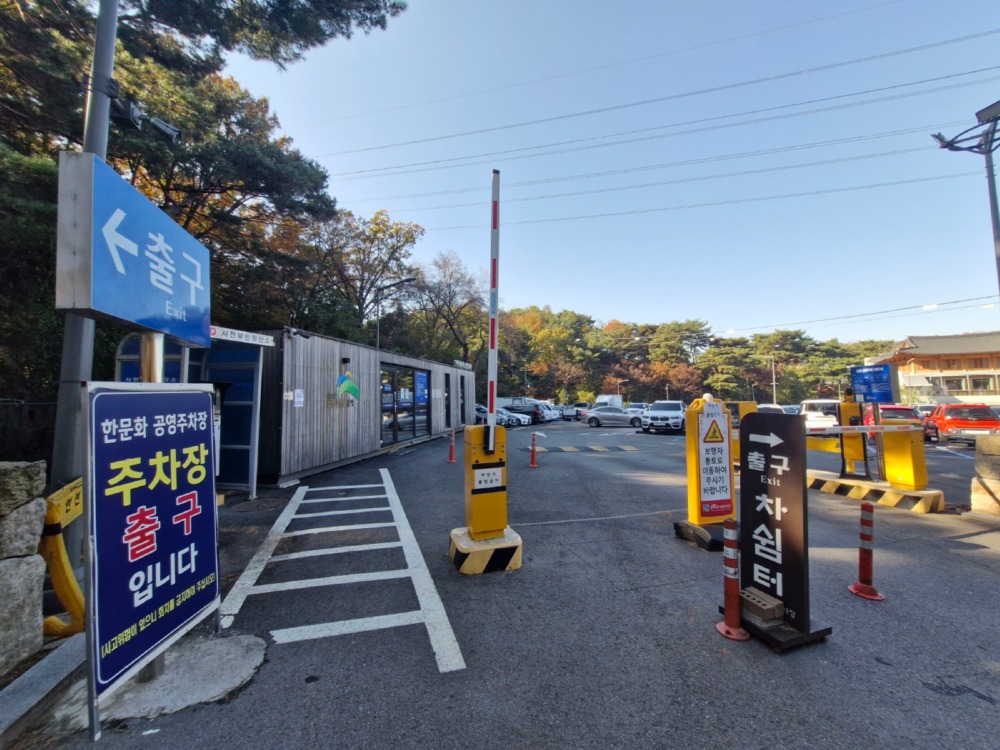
63 507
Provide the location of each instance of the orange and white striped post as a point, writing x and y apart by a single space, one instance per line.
534 457
451 450
732 625
864 587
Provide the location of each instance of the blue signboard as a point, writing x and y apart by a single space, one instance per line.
154 570
421 387
120 256
875 384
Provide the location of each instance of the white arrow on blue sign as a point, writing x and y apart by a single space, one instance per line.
119 256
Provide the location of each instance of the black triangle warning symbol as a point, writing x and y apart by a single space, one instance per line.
714 434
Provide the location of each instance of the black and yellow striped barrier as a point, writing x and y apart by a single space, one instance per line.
918 501
63 507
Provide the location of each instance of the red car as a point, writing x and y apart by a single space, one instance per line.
960 423
894 414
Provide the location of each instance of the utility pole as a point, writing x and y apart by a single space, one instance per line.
985 143
77 364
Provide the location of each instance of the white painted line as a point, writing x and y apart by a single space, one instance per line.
599 518
950 452
241 589
431 614
344 627
309 583
324 529
344 487
353 511
443 641
344 499
333 551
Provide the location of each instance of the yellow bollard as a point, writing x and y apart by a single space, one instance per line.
738 410
485 483
852 446
711 496
486 544
64 506
905 460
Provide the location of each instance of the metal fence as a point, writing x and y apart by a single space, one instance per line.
26 431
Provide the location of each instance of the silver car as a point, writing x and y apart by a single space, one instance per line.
612 416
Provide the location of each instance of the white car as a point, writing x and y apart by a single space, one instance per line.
664 416
552 413
512 419
821 412
637 407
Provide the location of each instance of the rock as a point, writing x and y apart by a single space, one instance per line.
21 580
20 482
21 529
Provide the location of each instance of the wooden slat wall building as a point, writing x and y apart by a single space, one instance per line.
307 425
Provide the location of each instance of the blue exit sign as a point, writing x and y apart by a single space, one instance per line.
119 256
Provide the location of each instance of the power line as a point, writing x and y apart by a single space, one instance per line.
671 97
597 68
679 181
911 310
374 170
667 165
676 134
713 204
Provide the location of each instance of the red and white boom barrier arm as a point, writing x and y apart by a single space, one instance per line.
855 429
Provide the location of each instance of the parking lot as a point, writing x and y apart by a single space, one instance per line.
606 635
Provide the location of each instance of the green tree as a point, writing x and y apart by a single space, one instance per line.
277 31
452 318
679 342
29 326
366 255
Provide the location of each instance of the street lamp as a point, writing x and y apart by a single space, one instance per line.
618 385
984 142
378 305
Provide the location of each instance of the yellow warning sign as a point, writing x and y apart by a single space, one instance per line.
714 434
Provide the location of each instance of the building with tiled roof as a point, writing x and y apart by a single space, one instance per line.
962 367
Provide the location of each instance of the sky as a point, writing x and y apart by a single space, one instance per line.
754 165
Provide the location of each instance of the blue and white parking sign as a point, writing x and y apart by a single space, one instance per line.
153 560
875 383
119 256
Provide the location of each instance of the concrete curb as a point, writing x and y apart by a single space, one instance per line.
29 691
198 669
880 493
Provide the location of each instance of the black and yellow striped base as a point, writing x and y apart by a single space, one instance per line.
474 557
918 501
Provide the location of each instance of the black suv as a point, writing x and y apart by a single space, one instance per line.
533 410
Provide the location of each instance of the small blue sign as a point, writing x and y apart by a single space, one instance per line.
421 388
152 515
875 384
120 256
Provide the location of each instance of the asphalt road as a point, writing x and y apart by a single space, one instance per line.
606 636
